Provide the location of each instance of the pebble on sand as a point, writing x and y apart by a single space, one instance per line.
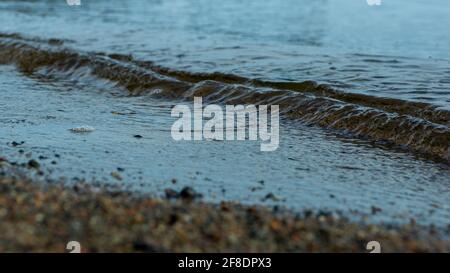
187 193
115 221
33 164
171 194
116 175
272 197
15 143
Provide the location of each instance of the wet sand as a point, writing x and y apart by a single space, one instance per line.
44 217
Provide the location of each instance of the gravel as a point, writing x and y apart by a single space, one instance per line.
44 217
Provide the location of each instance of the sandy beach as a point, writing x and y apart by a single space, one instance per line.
43 217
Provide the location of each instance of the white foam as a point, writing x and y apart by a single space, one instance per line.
83 129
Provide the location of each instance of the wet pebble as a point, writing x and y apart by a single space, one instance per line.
171 194
375 210
15 144
271 197
33 164
82 129
116 175
189 193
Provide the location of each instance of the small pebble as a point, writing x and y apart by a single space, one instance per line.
82 129
271 196
189 193
15 144
171 194
116 175
33 164
375 210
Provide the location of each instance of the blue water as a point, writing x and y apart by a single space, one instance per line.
398 49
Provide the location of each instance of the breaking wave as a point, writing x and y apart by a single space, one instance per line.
416 126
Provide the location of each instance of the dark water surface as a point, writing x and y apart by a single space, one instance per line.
364 92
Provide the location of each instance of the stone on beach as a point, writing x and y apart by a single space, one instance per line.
82 129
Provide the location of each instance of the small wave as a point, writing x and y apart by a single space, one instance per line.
419 127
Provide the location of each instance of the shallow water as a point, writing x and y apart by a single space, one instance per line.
311 169
361 140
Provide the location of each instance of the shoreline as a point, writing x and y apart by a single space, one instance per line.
41 217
